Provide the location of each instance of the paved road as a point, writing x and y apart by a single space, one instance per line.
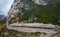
33 27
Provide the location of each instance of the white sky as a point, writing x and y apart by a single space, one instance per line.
5 6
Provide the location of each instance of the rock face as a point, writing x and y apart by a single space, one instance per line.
20 6
43 2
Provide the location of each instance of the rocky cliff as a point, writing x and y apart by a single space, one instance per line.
19 7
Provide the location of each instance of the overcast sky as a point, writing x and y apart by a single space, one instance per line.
5 6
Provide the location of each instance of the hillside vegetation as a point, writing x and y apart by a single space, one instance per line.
46 14
49 13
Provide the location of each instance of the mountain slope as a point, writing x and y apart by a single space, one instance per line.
45 14
30 11
2 17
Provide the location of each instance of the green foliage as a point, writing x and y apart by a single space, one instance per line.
46 14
